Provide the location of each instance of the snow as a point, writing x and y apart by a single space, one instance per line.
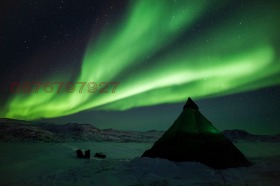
56 164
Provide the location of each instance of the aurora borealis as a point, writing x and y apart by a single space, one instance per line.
160 51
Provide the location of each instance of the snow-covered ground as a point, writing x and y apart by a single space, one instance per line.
56 164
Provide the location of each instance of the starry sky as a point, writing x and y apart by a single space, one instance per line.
148 56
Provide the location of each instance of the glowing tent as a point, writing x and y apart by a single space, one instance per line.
193 138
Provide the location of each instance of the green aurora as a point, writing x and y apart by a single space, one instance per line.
145 52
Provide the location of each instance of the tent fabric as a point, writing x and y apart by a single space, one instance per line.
193 138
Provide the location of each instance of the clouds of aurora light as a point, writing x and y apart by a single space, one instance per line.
145 52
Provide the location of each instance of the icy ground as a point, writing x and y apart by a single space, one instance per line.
56 164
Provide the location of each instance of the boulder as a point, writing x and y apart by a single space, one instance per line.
100 155
79 153
87 154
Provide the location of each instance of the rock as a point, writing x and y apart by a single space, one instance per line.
79 153
100 155
87 154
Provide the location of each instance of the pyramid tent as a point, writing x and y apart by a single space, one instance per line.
193 138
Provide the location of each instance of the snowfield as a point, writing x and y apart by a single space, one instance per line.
44 154
56 164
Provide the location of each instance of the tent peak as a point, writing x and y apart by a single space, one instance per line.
190 104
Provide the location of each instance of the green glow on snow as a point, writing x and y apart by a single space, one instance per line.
230 57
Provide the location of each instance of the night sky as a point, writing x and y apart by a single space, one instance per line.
133 64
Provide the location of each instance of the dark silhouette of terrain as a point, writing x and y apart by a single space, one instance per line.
26 131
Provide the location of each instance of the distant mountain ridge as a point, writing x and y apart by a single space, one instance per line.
29 131
242 135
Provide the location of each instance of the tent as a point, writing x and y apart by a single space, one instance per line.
193 138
